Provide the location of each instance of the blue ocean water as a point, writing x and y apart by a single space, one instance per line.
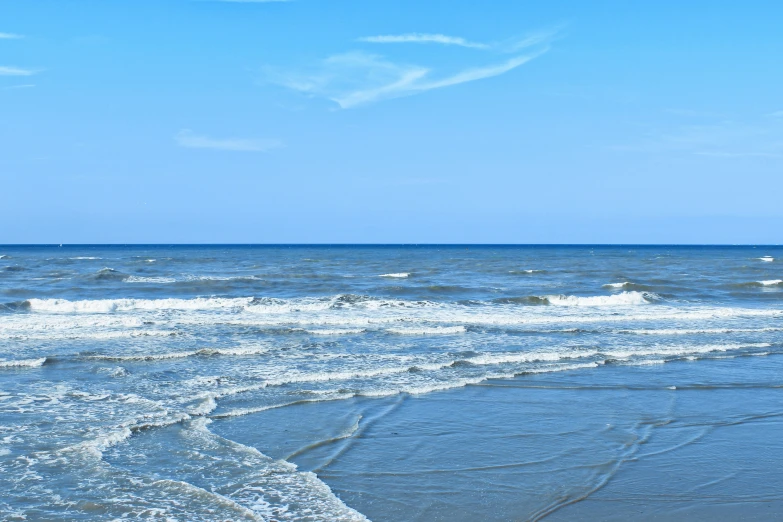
387 382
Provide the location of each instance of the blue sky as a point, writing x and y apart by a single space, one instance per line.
391 121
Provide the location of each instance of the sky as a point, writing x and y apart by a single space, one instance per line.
391 121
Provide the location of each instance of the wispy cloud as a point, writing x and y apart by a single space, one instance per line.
776 114
359 78
22 86
424 38
537 38
186 138
15 71
251 1
10 36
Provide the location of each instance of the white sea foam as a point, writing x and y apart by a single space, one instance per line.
768 259
221 278
771 282
23 363
119 305
97 446
140 279
5 257
617 285
678 350
85 258
697 331
400 275
436 330
621 299
203 352
336 331
76 334
206 405
104 441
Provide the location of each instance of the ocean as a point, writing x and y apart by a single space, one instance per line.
391 383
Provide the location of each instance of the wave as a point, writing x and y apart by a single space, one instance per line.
155 280
336 331
96 446
436 330
60 317
123 305
203 352
551 361
768 282
768 259
192 278
88 335
621 299
526 300
108 274
5 256
400 275
267 305
23 363
525 271
85 258
206 406
697 331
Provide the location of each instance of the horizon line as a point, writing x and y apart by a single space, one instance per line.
174 244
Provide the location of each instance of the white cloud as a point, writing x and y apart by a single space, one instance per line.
186 138
543 37
415 81
777 114
10 36
23 86
356 78
424 38
513 45
15 71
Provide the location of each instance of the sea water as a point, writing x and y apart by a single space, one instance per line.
390 382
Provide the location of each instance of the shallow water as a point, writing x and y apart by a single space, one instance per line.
396 383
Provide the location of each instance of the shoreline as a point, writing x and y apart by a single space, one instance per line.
577 445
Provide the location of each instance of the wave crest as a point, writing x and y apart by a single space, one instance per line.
23 363
621 299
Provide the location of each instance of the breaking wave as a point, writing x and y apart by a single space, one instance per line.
437 330
23 363
156 280
621 299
